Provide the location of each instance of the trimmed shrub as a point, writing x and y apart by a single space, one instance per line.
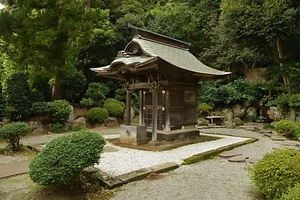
286 128
41 108
292 194
97 114
114 109
62 161
57 128
96 94
60 111
111 100
18 96
277 172
12 132
204 109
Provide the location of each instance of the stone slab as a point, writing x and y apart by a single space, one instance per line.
278 138
229 154
290 143
241 158
17 168
164 167
254 160
269 134
102 178
134 175
109 149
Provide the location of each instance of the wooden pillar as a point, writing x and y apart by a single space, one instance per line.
141 114
154 113
167 111
128 107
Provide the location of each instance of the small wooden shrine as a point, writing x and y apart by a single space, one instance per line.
166 75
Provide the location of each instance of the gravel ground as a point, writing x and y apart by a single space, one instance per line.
214 179
126 160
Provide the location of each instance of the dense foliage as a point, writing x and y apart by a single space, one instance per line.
97 114
237 91
277 172
2 103
57 42
292 194
61 162
13 132
18 96
96 94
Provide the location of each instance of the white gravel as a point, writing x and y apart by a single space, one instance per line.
126 160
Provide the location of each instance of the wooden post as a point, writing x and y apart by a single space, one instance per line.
128 107
167 111
154 114
141 114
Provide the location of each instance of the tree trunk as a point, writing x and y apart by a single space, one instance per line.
87 5
281 63
57 91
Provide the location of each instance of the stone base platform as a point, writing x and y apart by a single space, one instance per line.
175 134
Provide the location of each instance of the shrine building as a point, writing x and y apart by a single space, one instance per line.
166 75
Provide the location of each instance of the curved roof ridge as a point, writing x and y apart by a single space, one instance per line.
180 58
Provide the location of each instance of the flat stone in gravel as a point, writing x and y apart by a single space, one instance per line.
290 143
164 167
278 138
228 154
241 158
254 160
108 149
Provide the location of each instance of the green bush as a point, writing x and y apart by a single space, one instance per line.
12 132
57 128
277 172
2 104
74 87
79 128
114 110
111 100
41 108
269 126
60 111
97 114
18 96
287 128
204 109
292 194
96 94
61 162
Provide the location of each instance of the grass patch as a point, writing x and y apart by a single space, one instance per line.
165 145
24 151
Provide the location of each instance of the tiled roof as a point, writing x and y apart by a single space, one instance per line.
176 56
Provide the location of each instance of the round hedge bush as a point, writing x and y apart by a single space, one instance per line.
114 110
277 172
60 111
111 100
97 114
286 128
61 162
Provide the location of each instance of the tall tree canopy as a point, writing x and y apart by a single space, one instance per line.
271 25
45 35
